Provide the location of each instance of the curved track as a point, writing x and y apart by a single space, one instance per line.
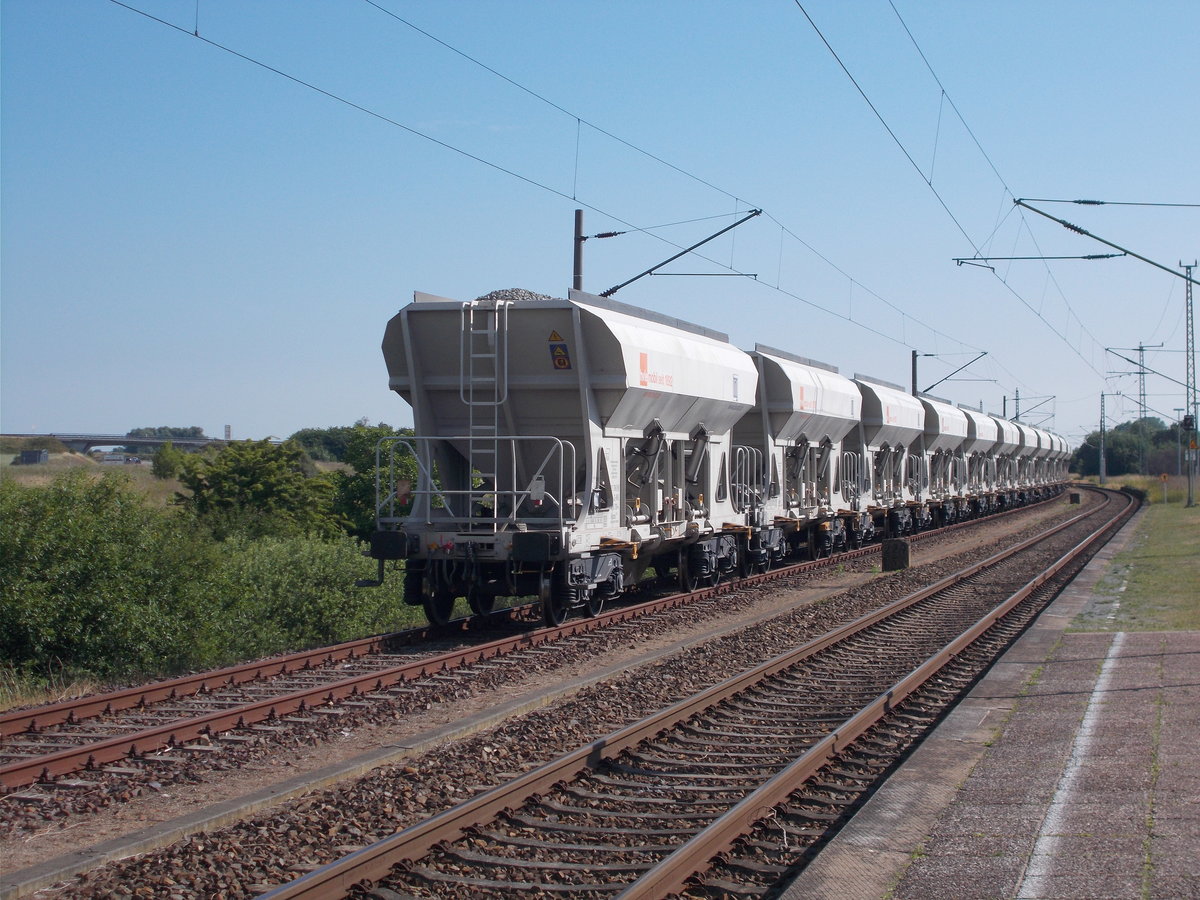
641 812
185 714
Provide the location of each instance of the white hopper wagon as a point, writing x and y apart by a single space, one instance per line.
1061 460
562 446
1026 458
983 433
946 430
1046 468
1008 445
892 420
1041 457
793 438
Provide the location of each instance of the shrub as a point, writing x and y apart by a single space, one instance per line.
258 488
288 593
93 579
95 582
168 461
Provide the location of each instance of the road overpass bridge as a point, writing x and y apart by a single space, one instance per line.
85 442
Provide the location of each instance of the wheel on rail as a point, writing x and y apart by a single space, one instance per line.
688 580
414 586
557 606
593 602
439 605
481 602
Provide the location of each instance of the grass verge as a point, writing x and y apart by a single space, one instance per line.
1154 583
18 689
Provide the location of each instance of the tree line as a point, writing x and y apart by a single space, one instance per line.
1142 446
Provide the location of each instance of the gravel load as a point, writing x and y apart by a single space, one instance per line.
514 295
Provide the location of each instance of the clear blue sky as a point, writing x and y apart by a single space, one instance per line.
190 238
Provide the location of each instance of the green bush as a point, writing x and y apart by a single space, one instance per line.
287 593
354 491
94 581
258 488
168 461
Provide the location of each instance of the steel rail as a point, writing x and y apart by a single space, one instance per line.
372 863
672 873
68 711
73 710
73 759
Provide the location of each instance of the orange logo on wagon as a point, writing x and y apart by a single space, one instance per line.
646 378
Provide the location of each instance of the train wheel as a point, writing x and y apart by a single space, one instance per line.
594 601
557 606
761 568
481 602
688 582
439 605
414 584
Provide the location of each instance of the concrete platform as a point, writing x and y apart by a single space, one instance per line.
1069 772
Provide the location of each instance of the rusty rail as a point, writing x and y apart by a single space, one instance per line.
671 874
73 759
372 863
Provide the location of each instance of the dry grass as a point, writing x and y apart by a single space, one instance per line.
17 691
158 492
1173 490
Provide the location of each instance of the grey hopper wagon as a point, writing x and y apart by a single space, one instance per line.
565 446
562 447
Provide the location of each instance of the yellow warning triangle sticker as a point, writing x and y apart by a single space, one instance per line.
554 336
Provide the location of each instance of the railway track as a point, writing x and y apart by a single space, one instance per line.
783 749
262 849
162 723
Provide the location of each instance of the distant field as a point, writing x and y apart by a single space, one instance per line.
1154 583
157 491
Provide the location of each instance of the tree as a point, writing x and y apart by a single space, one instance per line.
168 431
1125 446
168 461
327 444
258 488
191 432
354 498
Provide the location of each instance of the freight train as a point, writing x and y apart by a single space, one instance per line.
564 447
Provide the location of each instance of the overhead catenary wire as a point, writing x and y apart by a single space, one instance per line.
929 182
906 318
1008 191
657 159
534 182
947 98
887 127
548 101
978 253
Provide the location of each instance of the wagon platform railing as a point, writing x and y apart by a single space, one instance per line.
532 491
